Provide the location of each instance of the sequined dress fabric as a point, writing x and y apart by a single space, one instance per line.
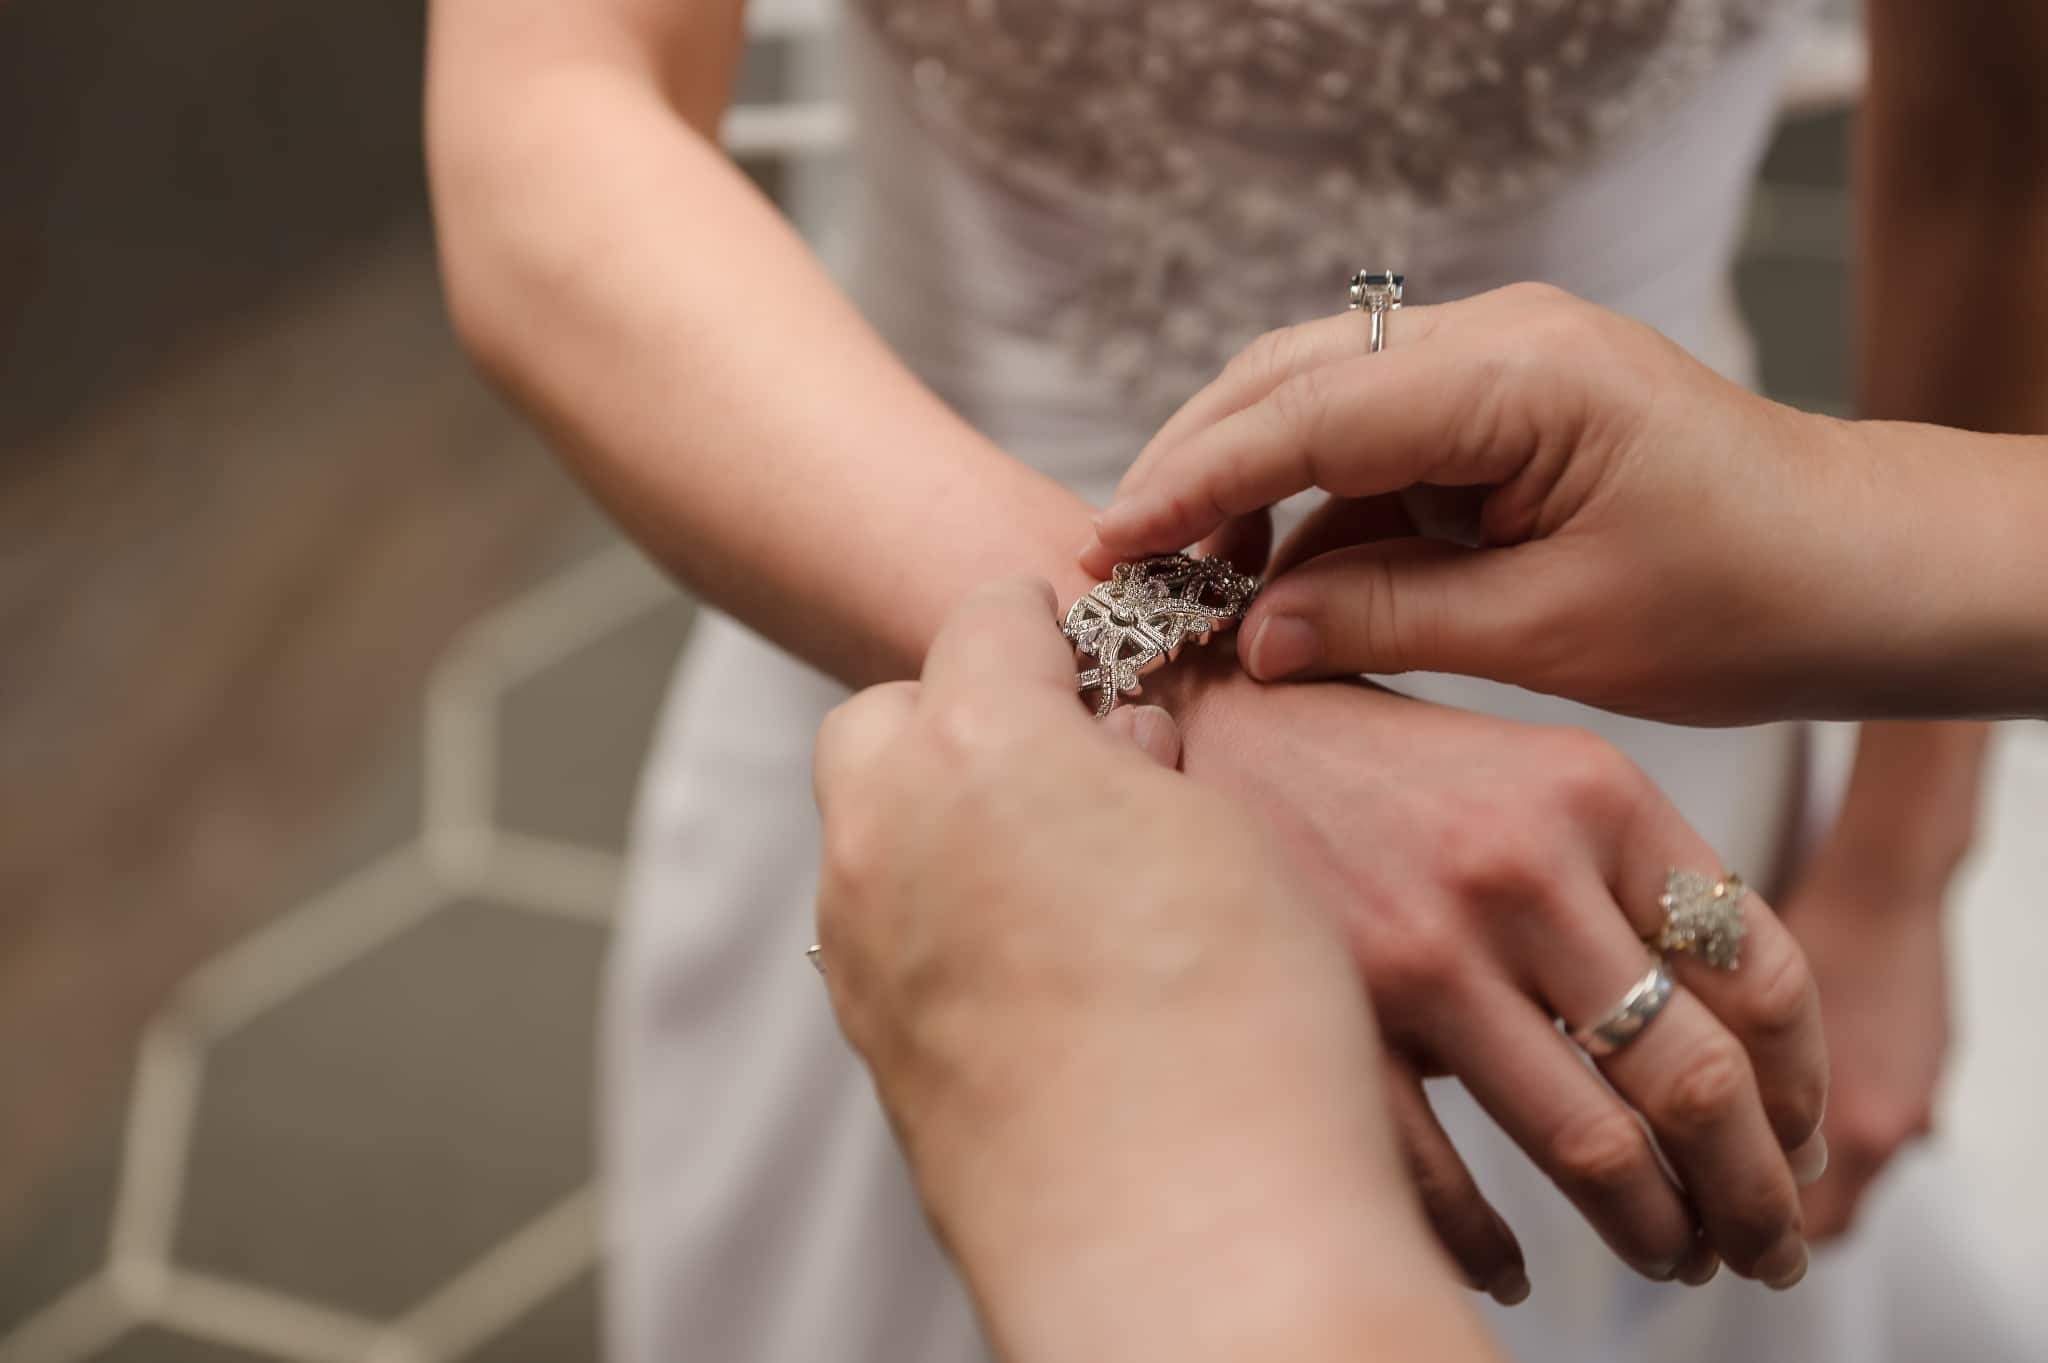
1225 149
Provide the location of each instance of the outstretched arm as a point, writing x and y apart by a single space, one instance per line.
612 270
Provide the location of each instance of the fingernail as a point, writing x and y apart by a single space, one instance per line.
1784 1266
1699 1267
1510 1288
1283 647
1810 1161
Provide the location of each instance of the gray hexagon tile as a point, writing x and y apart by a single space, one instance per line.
161 1346
562 1329
375 1134
64 1239
572 738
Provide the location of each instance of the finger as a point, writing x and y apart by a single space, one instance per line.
1538 1088
1002 643
1359 427
1686 1074
1270 361
1148 728
1244 542
1467 1226
855 739
1399 606
1832 1203
1341 523
1700 1265
1810 1161
1769 1001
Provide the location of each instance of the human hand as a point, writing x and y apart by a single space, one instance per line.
1494 876
1119 1037
1875 946
1653 539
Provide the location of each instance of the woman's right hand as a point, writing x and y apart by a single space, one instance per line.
1493 876
1649 537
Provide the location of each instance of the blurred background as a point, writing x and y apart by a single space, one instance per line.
325 693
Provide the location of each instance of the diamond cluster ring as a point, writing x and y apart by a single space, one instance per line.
1703 918
1703 915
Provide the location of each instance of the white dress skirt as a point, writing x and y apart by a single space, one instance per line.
1065 218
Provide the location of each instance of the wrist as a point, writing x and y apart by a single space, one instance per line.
1218 1252
1946 593
1909 815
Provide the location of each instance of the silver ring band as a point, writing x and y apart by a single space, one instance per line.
816 956
1625 1022
1377 293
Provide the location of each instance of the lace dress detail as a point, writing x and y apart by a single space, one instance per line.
1229 150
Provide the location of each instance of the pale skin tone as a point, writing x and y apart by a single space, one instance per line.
1953 284
1858 568
1144 1127
602 291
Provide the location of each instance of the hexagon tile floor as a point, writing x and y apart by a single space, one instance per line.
256 1206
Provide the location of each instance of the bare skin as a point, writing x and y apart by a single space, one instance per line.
1114 1108
601 291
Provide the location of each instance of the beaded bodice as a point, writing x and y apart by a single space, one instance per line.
1225 150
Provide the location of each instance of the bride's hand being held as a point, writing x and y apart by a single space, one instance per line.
1491 877
1651 538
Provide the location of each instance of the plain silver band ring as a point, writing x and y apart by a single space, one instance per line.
816 956
1625 1022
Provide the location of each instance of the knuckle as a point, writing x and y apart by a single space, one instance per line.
1536 296
1868 1134
1375 610
1516 868
1592 779
1418 959
1444 1191
1558 328
959 730
1782 997
1270 354
1603 1154
1709 1087
1301 403
849 858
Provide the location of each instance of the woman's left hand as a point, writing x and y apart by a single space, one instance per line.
1118 1035
1875 945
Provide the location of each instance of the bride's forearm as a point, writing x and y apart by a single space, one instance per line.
684 349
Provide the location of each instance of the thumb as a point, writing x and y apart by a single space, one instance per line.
1409 605
1152 729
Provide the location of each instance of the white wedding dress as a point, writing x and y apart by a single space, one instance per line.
1069 213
